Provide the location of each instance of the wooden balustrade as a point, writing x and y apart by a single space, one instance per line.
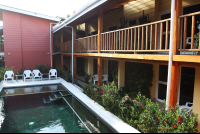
67 47
1 47
87 44
56 47
190 42
142 38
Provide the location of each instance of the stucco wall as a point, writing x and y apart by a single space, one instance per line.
27 39
196 99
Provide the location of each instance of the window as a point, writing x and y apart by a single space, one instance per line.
132 23
162 82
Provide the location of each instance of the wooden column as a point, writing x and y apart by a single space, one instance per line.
99 71
61 61
61 39
100 27
74 67
175 67
121 74
74 35
157 4
90 68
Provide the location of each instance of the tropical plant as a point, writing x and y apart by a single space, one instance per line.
43 68
139 78
3 70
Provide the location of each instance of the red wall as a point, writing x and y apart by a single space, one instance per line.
27 39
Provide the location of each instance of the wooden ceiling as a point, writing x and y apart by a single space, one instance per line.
108 6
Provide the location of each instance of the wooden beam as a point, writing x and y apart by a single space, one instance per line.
127 56
187 58
99 72
187 64
74 67
61 61
61 39
74 36
100 27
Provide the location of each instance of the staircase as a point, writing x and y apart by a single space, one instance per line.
53 98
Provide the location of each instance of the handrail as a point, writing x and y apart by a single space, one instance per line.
77 115
87 37
191 14
156 22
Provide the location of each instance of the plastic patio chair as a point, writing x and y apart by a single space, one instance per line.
52 73
9 75
37 74
54 87
95 78
105 78
187 108
27 74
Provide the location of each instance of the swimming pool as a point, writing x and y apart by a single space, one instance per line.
107 117
46 109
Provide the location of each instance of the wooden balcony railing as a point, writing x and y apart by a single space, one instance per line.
87 44
67 47
1 47
190 42
56 47
142 38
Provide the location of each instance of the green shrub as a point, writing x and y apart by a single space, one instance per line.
67 76
139 78
110 97
3 70
154 120
139 112
43 68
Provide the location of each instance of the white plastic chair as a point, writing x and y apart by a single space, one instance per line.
10 91
9 75
52 73
95 78
27 74
105 78
37 74
187 108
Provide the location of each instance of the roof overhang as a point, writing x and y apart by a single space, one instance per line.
88 7
28 13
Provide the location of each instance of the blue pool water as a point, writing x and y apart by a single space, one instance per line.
46 113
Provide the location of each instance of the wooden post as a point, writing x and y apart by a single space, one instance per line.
175 66
99 71
74 35
74 67
61 61
121 74
100 27
61 40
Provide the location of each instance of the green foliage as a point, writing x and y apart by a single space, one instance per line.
155 120
43 68
140 77
2 62
3 70
141 113
61 18
196 40
66 75
115 75
110 97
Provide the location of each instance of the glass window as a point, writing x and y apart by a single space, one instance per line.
163 72
162 90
